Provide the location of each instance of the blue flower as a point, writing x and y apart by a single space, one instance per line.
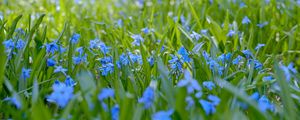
145 30
237 60
74 39
135 58
52 47
291 68
188 82
224 57
20 44
106 93
259 46
70 82
257 64
59 69
94 43
209 108
124 59
115 112
204 32
247 53
264 104
261 25
246 20
176 63
14 100
163 115
150 60
214 99
61 94
287 70
79 59
268 78
51 62
255 96
105 49
107 68
195 36
148 97
209 85
190 102
138 39
184 54
206 56
106 60
25 73
231 33
80 50
9 44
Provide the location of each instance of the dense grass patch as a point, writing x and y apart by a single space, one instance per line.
149 59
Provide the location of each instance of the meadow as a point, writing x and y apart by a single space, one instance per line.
149 59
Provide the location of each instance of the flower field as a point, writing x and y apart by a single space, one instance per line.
150 59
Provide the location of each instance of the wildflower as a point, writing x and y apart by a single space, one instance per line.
231 33
267 78
261 25
257 64
148 97
138 39
79 59
115 112
70 82
124 59
215 100
237 60
61 94
14 100
107 68
259 46
75 37
106 60
246 20
59 69
195 36
105 49
163 115
208 107
94 43
61 49
247 53
224 57
135 58
52 47
176 63
188 82
80 50
9 44
150 60
20 44
145 30
190 102
264 104
25 73
209 85
184 54
50 62
106 93
204 32
287 70
206 56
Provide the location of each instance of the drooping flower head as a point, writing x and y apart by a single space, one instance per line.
148 97
62 94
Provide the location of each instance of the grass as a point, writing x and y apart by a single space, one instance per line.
171 23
